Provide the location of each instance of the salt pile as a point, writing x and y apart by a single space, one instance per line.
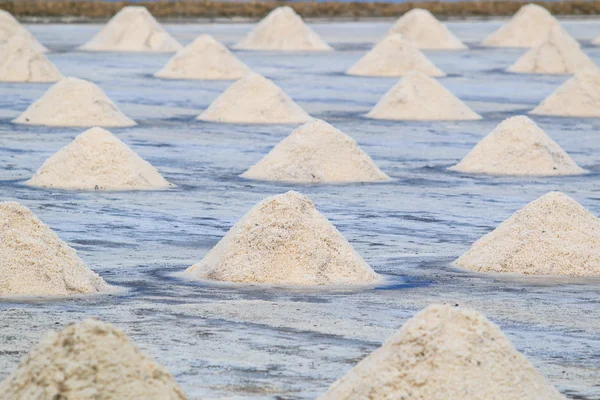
316 152
284 240
254 99
35 262
558 53
132 29
90 360
10 27
22 61
394 56
97 160
74 102
518 147
445 353
577 97
425 31
527 28
205 58
282 30
420 97
552 235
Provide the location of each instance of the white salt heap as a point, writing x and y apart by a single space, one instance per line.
527 28
577 97
518 147
254 99
316 152
282 30
552 235
284 240
22 61
132 29
74 102
97 160
444 353
558 53
425 31
205 58
90 360
35 262
10 27
394 56
419 97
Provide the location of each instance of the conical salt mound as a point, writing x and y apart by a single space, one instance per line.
316 152
527 28
74 102
22 61
35 262
559 53
10 27
284 240
552 235
132 29
254 99
90 360
97 160
420 97
518 147
205 58
282 30
394 56
444 353
425 31
577 97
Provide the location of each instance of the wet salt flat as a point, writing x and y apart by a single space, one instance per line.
227 341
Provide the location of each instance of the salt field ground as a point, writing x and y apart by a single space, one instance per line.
258 342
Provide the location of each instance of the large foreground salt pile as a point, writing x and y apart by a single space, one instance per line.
527 28
316 152
254 99
90 360
22 61
97 160
426 32
558 53
284 240
394 56
10 27
35 262
553 235
420 97
74 102
204 58
518 147
132 29
282 30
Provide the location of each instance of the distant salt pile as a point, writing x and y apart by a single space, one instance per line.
552 235
426 32
74 102
518 147
394 56
420 97
558 53
577 97
22 61
316 152
132 29
282 30
10 27
85 361
205 58
35 262
527 28
97 160
444 353
284 240
254 99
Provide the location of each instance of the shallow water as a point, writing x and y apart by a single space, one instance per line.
255 342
